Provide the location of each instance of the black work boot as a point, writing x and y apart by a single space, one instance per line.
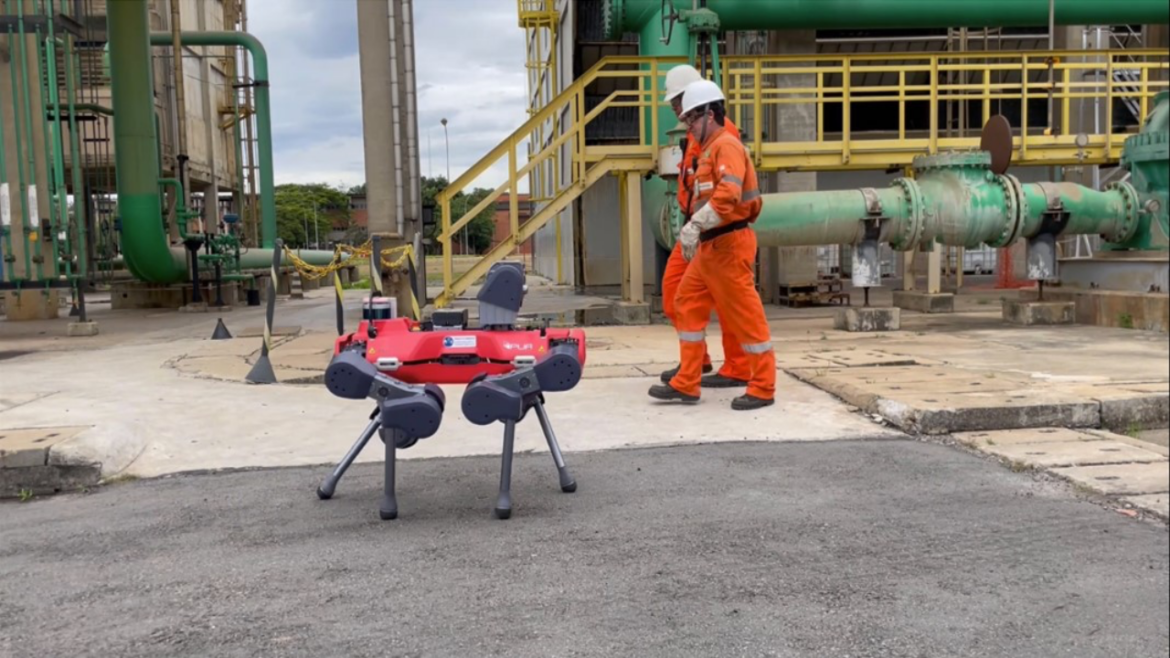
719 381
669 374
668 393
750 403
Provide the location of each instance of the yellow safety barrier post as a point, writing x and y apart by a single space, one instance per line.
340 307
262 372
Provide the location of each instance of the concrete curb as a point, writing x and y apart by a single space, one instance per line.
110 448
93 454
947 413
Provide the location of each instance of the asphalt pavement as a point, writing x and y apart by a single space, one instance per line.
865 549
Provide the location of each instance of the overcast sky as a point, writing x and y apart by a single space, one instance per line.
470 59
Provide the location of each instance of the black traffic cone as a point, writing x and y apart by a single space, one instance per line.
221 331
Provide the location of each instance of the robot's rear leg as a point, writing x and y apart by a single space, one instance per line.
325 491
568 484
504 502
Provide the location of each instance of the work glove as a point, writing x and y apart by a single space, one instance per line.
706 219
688 237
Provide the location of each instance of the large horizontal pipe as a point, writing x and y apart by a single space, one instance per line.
631 15
954 200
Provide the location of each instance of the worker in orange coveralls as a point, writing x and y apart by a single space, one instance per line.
720 247
735 371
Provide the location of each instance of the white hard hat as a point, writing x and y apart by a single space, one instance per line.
677 80
699 93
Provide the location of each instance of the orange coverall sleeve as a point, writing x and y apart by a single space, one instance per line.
728 168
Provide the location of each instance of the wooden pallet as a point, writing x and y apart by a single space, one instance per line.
828 290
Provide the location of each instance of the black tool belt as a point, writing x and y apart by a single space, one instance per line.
707 236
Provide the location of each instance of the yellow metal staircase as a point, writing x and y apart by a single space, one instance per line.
756 85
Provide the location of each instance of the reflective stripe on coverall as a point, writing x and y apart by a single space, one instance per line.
735 364
721 274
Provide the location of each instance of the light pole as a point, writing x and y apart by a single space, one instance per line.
447 144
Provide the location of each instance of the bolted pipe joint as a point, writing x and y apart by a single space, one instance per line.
966 203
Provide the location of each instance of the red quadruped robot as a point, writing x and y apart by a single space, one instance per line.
399 363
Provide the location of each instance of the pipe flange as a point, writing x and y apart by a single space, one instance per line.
1013 195
1132 212
910 237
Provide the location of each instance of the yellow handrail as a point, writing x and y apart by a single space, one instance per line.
757 85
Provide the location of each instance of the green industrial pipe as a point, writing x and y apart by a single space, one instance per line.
79 201
148 255
263 113
29 201
18 138
7 270
658 209
1147 157
61 248
954 200
623 16
144 240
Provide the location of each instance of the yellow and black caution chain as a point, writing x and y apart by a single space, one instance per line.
400 257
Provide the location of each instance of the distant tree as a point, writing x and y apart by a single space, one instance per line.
480 230
305 213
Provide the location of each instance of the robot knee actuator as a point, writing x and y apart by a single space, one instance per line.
508 397
416 411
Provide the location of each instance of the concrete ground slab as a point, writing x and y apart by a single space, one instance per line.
1024 437
1074 453
1158 504
865 358
1141 440
14 399
798 360
1121 479
257 331
1159 437
187 423
24 447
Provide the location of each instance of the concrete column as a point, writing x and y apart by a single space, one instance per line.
381 54
791 266
934 270
33 198
374 53
909 275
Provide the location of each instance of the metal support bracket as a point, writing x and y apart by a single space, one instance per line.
1052 197
867 270
1042 263
873 204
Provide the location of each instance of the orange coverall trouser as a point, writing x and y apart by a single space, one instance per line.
721 277
735 365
